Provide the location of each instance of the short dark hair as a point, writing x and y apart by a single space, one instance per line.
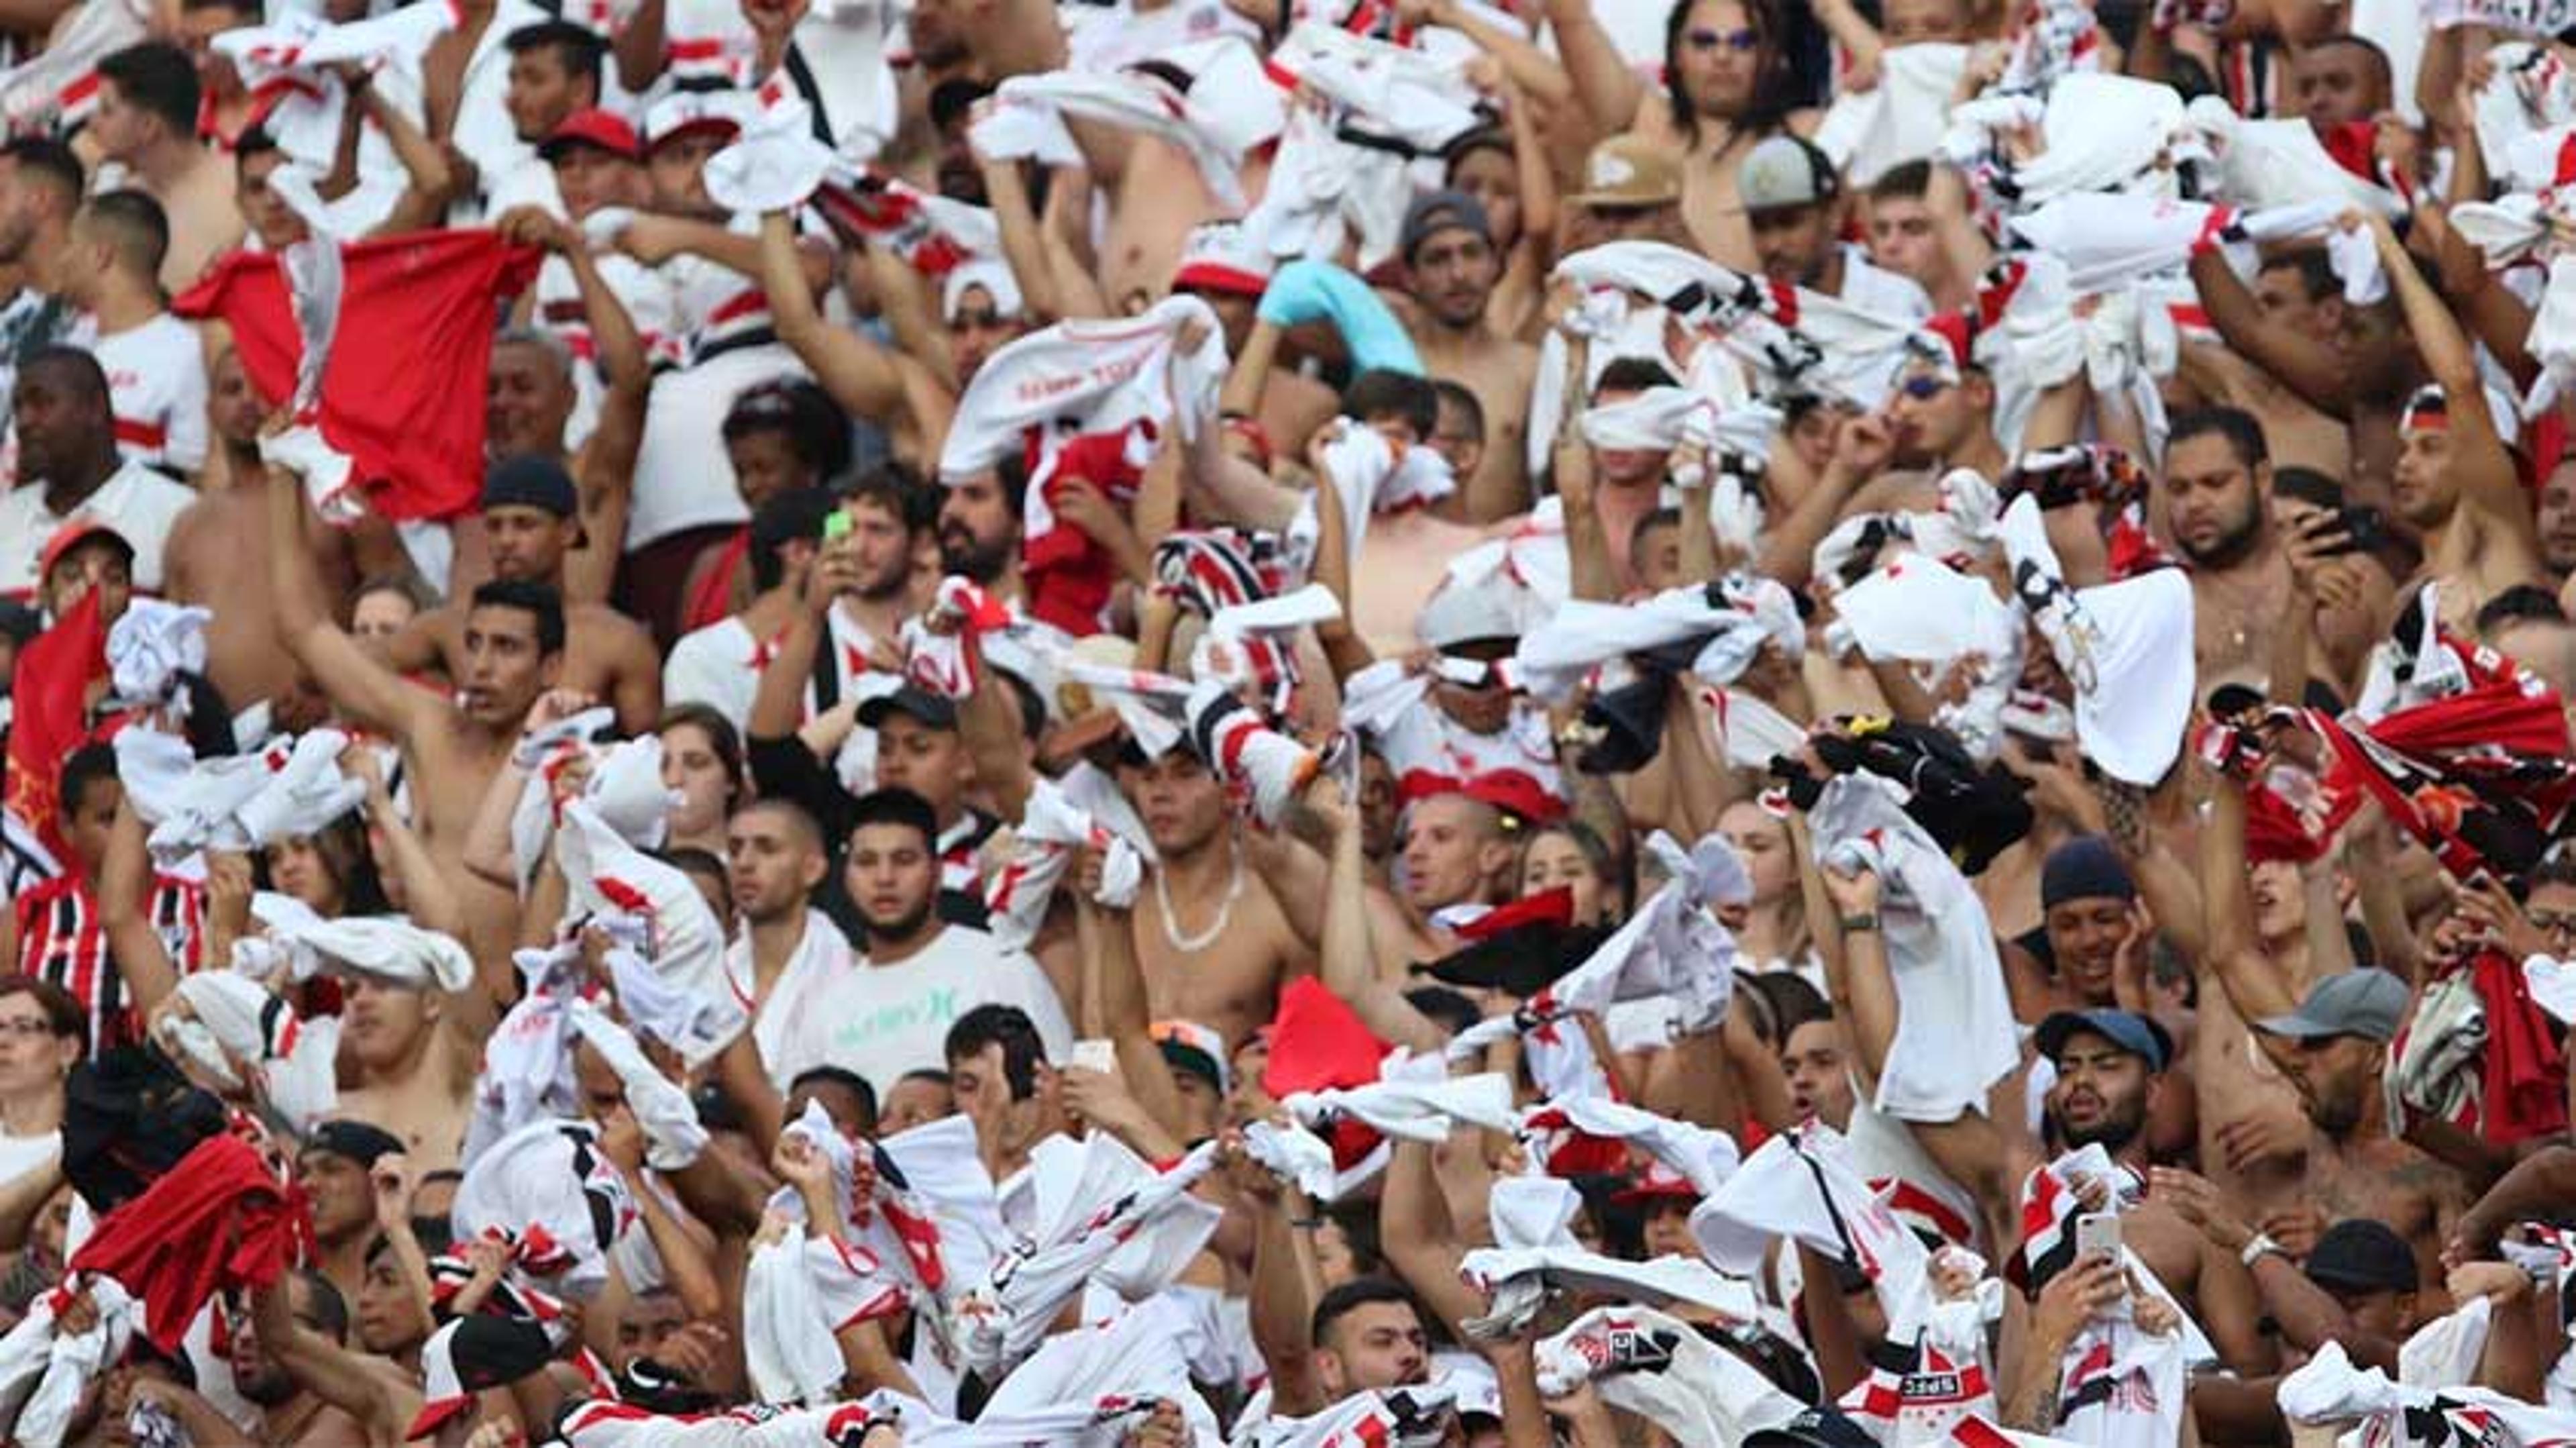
1008 1027
157 77
2316 273
791 517
253 141
82 768
690 860
817 431
135 225
528 596
848 1080
79 368
1646 528
1905 181
1381 392
900 492
1458 396
63 1012
2522 603
52 161
1633 374
1346 1298
2556 869
2306 485
896 807
2243 433
576 48
1794 999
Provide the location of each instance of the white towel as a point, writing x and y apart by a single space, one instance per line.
2127 646
1703 1155
150 645
44 1374
2281 163
382 946
1804 1185
553 1176
1737 616
1955 1034
1645 1362
1868 133
1050 832
607 878
1415 1109
1135 101
236 1019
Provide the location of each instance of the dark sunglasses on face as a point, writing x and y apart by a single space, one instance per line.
1923 389
1742 42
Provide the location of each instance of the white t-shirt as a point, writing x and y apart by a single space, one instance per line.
20 1155
156 383
138 502
718 666
884 1020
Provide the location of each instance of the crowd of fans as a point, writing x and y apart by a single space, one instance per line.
1140 723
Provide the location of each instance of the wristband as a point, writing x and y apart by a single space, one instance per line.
2259 1246
1867 920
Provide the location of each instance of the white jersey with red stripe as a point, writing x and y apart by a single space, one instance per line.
714 307
637 287
1427 741
156 383
1895 1164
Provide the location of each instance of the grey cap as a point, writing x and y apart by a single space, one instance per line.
2364 1002
1784 171
1439 211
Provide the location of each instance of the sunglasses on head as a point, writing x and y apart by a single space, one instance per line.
1742 41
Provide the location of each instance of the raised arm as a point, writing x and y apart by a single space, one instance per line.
2305 366
329 1371
1608 88
124 914
2252 986
858 373
605 471
429 183
365 692
2479 459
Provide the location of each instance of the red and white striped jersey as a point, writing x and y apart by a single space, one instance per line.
60 941
156 382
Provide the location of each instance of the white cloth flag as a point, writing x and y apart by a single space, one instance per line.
1370 475
1955 1035
1644 1362
295 60
150 645
1415 1109
1050 832
1394 92
2282 163
235 1024
383 946
2528 89
2127 646
1323 191
45 1374
238 803
1141 1355
1737 616
1703 1155
1803 1185
2109 240
1921 611
1030 111
1102 1212
608 879
1900 119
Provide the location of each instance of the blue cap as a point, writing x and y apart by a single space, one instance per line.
2128 1030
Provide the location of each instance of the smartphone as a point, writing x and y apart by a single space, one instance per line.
1095 1055
837 525
2098 1233
2364 530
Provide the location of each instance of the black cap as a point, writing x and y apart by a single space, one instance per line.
1442 211
531 481
1519 960
359 1141
936 710
1814 1428
18 622
2361 1255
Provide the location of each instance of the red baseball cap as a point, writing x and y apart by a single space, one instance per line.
1657 1182
75 529
1516 793
591 126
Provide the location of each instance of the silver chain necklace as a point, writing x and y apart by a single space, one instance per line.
1193 944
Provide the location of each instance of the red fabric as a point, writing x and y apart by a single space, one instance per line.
713 601
216 1221
51 690
2482 778
1318 1043
1547 907
2526 1075
403 394
2353 145
1067 576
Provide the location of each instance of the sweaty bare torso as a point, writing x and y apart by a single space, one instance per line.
1403 560
1499 372
1231 980
2238 1083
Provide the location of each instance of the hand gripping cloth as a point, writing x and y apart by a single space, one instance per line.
550 1188
151 645
1324 192
216 1221
1900 119
1955 1036
45 1373
2127 646
1089 400
1371 475
1226 109
1728 622
1262 767
2528 90
1703 1156
608 878
235 1025
1050 833
1386 91
1644 1362
1802 1185
1102 1212
1921 611
1252 646
291 788
382 946
1535 1256
410 417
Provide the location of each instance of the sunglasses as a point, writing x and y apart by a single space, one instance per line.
1742 42
1923 389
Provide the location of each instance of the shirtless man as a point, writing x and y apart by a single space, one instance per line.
2299 291
415 1053
1214 940
147 121
2218 476
270 1375
528 403
2332 1043
1449 258
223 539
531 526
2111 1068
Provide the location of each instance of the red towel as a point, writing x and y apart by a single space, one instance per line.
412 354
216 1221
2526 1074
51 689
